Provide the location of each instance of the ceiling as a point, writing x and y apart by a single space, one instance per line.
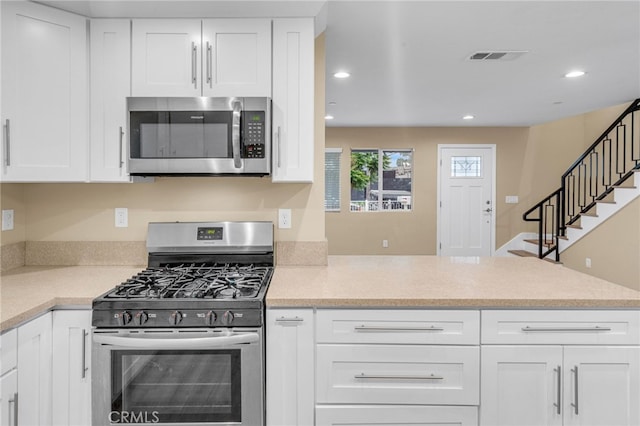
409 60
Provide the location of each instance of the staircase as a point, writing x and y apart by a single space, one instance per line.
604 179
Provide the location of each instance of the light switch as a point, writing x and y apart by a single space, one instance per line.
7 220
511 199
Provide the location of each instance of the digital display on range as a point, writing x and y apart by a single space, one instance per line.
210 233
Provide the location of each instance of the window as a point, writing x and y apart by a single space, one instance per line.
466 167
389 190
332 179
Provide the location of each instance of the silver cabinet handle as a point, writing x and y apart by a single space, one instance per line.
235 134
382 328
574 404
558 403
565 329
279 148
209 64
397 377
83 374
295 319
194 64
13 401
7 142
121 137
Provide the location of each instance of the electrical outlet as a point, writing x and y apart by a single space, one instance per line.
587 262
284 218
7 220
511 199
385 243
122 217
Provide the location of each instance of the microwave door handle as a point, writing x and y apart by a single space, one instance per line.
235 134
173 343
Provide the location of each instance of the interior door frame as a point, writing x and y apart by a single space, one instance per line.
492 147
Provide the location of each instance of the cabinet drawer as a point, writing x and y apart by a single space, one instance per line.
561 327
398 326
331 415
9 351
397 374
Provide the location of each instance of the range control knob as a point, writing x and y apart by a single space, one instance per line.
227 318
140 318
124 318
210 318
175 318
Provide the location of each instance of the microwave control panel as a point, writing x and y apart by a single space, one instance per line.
253 134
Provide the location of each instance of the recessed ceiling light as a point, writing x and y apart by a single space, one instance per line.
342 74
468 117
328 117
574 74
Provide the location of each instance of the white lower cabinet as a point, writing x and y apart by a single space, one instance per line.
414 415
290 367
34 372
72 372
9 399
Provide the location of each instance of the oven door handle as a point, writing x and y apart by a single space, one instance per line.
175 343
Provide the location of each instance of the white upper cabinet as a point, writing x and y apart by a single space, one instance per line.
44 94
293 100
188 57
110 85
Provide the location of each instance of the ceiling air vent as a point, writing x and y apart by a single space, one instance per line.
496 56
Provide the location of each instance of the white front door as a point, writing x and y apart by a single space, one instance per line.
465 216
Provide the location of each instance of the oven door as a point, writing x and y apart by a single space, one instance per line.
182 377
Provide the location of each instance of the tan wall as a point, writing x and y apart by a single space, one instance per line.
12 197
85 212
415 232
613 247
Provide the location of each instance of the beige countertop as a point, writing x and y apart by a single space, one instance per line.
31 290
430 281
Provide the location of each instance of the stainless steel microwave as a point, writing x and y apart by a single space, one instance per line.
199 136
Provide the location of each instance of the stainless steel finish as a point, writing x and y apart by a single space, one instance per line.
383 328
397 377
7 142
121 136
279 150
13 401
84 354
574 404
558 403
235 134
564 329
240 237
177 342
209 60
285 320
194 64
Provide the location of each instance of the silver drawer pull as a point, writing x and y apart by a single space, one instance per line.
382 328
396 377
565 329
294 319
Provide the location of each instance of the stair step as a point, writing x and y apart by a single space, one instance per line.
605 202
546 243
589 213
574 226
525 253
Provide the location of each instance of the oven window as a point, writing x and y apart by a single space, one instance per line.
176 386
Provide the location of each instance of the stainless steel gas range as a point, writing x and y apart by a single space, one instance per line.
182 342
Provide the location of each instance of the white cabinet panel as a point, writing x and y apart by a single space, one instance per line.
34 367
9 398
44 94
400 374
293 100
72 373
9 351
389 415
290 367
110 86
398 326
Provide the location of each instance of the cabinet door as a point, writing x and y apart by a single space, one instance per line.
44 94
166 57
9 399
34 365
386 415
237 57
293 100
290 367
72 373
602 386
110 86
521 386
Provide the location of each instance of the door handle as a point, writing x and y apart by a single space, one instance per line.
209 60
235 134
488 210
7 142
574 404
194 65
